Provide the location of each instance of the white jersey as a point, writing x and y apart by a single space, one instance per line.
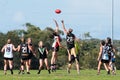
8 51
55 43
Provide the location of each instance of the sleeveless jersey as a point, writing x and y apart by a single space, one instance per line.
29 51
42 52
24 48
70 39
55 43
105 55
8 51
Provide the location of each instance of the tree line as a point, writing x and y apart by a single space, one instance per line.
89 47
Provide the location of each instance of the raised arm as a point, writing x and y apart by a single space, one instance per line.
63 26
57 27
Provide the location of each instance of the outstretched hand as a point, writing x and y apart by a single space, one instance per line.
62 21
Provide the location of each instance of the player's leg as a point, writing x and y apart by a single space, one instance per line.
53 60
76 59
74 53
5 66
70 63
69 55
30 60
99 66
69 67
106 65
11 65
114 68
46 63
27 66
40 65
77 65
22 66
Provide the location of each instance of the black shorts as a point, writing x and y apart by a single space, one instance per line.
56 49
69 47
30 56
25 57
42 57
8 58
105 61
73 59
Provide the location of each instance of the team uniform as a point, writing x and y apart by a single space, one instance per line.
70 41
24 51
112 58
55 45
8 54
42 53
30 53
106 53
71 44
77 54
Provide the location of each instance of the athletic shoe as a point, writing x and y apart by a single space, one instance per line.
23 72
11 71
38 72
98 73
19 72
28 72
108 72
5 73
52 69
78 72
68 70
49 71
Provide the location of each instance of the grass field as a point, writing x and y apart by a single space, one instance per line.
60 75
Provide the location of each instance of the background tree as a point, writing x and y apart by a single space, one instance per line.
89 47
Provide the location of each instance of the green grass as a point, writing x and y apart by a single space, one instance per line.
60 75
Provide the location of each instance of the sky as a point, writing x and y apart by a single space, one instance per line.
94 16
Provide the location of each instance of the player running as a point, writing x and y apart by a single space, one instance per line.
70 39
43 52
8 55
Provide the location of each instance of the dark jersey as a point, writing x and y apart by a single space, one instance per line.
42 52
24 48
107 51
70 40
30 52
